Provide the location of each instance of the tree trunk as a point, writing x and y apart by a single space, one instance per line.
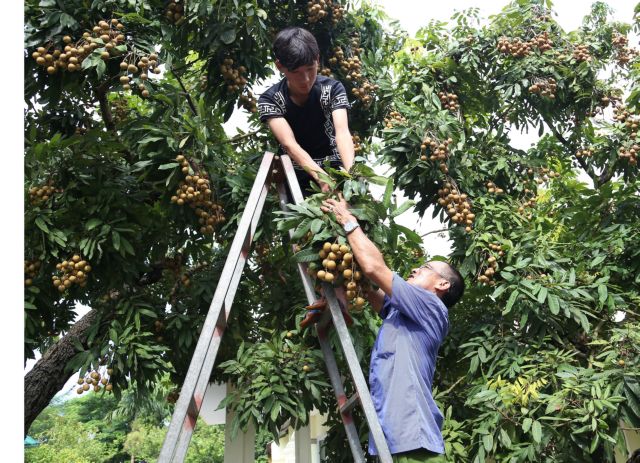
49 375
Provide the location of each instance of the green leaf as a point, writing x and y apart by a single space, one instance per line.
554 304
402 208
542 295
602 294
41 225
169 165
510 302
92 223
487 442
526 424
536 431
228 36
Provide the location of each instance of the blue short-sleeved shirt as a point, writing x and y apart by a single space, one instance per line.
402 365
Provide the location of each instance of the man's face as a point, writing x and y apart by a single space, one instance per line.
430 277
300 79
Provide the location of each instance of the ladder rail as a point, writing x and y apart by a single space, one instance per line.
340 326
329 356
183 421
192 393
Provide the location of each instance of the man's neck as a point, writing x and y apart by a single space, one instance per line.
299 99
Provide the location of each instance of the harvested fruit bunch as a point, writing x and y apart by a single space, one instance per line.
195 191
74 272
340 268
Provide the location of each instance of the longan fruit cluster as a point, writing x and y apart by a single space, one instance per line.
630 153
41 194
31 268
338 264
174 11
545 174
317 10
394 118
195 191
514 47
544 87
135 63
248 102
624 54
527 203
362 89
337 13
542 41
326 72
106 34
581 53
492 188
621 114
357 146
74 271
449 101
96 381
233 75
457 206
438 151
584 153
488 270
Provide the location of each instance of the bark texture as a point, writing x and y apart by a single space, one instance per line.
49 375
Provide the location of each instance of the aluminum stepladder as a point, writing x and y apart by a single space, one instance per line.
273 169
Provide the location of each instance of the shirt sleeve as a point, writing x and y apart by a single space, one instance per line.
339 97
268 108
419 305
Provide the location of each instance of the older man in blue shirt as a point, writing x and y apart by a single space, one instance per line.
403 360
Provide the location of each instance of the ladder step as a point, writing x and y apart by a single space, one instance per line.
350 403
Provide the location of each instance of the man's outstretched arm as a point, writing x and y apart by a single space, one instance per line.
343 138
369 257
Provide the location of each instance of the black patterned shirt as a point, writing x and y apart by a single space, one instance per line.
312 124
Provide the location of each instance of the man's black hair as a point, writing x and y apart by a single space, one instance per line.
295 47
456 290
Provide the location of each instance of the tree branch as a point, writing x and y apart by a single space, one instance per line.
237 138
107 117
189 100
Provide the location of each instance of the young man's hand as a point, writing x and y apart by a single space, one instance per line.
340 209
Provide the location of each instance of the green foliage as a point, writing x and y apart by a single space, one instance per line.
540 363
550 263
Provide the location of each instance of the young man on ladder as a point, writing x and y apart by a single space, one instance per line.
307 114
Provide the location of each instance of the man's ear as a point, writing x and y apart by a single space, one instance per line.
279 65
443 285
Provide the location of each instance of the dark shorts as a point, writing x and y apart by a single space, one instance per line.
418 456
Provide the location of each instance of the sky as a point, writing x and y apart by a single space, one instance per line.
411 15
